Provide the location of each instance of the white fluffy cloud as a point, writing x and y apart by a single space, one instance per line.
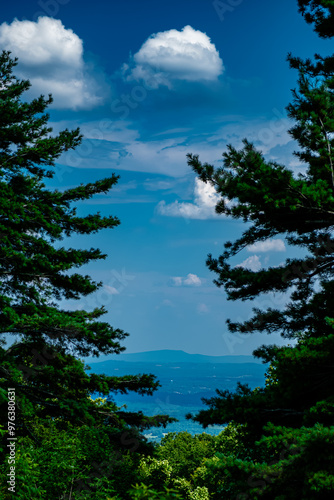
253 263
205 200
171 55
267 246
189 280
51 57
192 280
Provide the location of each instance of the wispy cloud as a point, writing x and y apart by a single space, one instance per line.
123 145
187 55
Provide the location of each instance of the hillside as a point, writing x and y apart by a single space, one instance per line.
172 356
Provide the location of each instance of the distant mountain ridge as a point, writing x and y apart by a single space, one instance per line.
171 356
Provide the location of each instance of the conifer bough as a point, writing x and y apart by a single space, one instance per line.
36 272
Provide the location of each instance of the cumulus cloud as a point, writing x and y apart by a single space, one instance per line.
267 246
51 57
253 263
192 280
171 55
189 280
205 200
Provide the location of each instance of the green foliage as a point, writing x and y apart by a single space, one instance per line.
234 440
200 493
185 452
63 433
276 202
299 464
293 458
154 471
188 464
143 492
27 476
321 13
79 462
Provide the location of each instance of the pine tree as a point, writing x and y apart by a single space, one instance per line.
43 365
320 13
289 423
273 201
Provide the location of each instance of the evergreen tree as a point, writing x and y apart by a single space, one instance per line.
321 13
289 424
273 201
36 272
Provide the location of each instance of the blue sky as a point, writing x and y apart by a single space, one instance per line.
147 82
